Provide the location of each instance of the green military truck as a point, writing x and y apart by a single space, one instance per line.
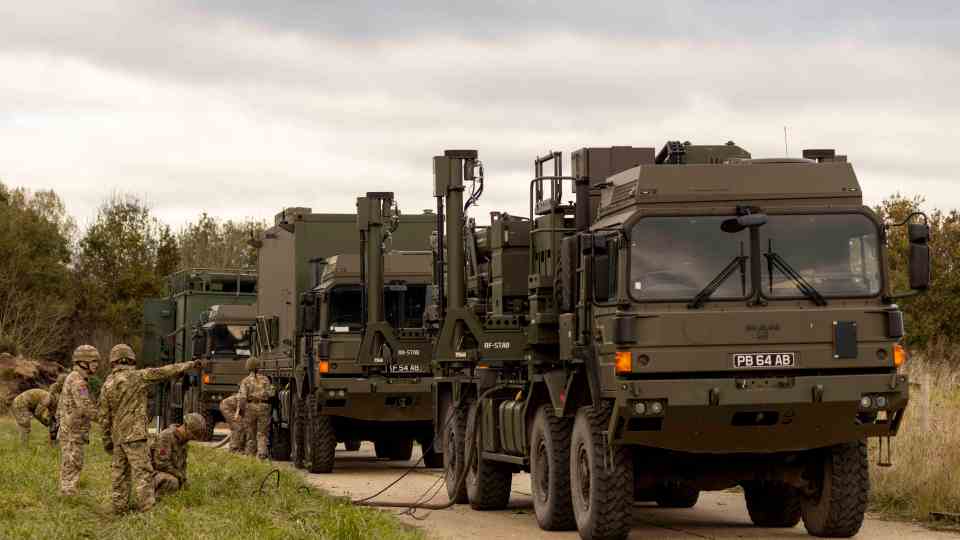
203 308
310 313
695 319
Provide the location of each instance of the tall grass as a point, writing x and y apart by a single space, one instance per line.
925 476
223 500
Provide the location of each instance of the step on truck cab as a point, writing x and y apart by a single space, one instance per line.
694 319
309 331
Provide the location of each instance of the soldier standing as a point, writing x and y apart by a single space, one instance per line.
255 394
53 404
29 405
169 453
76 410
230 408
123 417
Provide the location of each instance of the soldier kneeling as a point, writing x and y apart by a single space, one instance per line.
169 453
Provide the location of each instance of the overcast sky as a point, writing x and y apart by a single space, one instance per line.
239 108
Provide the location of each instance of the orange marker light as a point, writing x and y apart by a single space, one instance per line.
206 378
323 367
624 362
899 355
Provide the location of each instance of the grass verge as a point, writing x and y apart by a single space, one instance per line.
926 457
221 501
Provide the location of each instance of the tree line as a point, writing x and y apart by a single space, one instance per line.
60 286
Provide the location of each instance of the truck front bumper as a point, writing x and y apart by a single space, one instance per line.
387 400
743 415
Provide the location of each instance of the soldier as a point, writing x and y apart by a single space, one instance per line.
123 417
53 404
76 411
29 405
169 453
255 394
230 408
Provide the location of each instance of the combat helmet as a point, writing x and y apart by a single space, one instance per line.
84 355
253 364
122 354
196 426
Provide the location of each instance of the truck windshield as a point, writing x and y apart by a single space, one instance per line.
838 254
230 338
346 308
676 257
405 306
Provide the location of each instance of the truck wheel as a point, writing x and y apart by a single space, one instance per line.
321 440
676 495
454 436
279 442
488 482
772 504
602 495
210 420
842 481
550 470
352 446
296 433
431 458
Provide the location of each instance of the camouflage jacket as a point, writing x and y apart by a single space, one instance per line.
32 400
169 453
54 399
123 400
76 409
255 388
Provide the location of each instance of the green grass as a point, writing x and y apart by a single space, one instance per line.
220 501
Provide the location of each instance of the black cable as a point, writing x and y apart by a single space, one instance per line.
264 481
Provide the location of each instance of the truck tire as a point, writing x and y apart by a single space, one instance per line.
488 482
321 439
550 470
454 432
296 433
842 477
772 504
676 495
279 442
602 496
352 445
210 420
400 449
431 458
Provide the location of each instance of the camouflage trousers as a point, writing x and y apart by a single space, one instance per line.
257 420
238 434
23 417
71 463
132 466
165 484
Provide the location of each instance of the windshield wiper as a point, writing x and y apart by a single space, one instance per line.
774 260
739 261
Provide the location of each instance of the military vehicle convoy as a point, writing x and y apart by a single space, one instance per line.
205 315
693 319
313 307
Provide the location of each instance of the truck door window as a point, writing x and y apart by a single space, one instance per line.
405 308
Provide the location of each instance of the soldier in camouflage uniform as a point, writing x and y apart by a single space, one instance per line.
255 394
168 451
230 408
123 417
76 410
33 403
53 404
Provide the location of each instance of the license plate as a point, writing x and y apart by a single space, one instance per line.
765 360
407 368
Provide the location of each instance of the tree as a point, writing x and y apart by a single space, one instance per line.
211 243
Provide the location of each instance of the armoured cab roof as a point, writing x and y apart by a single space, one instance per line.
408 266
767 182
231 314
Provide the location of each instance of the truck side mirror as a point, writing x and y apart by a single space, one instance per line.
308 313
606 251
199 344
919 235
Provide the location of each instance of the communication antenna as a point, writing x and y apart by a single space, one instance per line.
786 148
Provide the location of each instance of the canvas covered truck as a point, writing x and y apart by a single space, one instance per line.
663 323
311 311
172 329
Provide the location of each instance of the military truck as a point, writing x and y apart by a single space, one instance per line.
310 315
694 319
180 327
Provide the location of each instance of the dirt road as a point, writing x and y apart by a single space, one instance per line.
717 515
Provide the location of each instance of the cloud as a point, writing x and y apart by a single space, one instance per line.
238 110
